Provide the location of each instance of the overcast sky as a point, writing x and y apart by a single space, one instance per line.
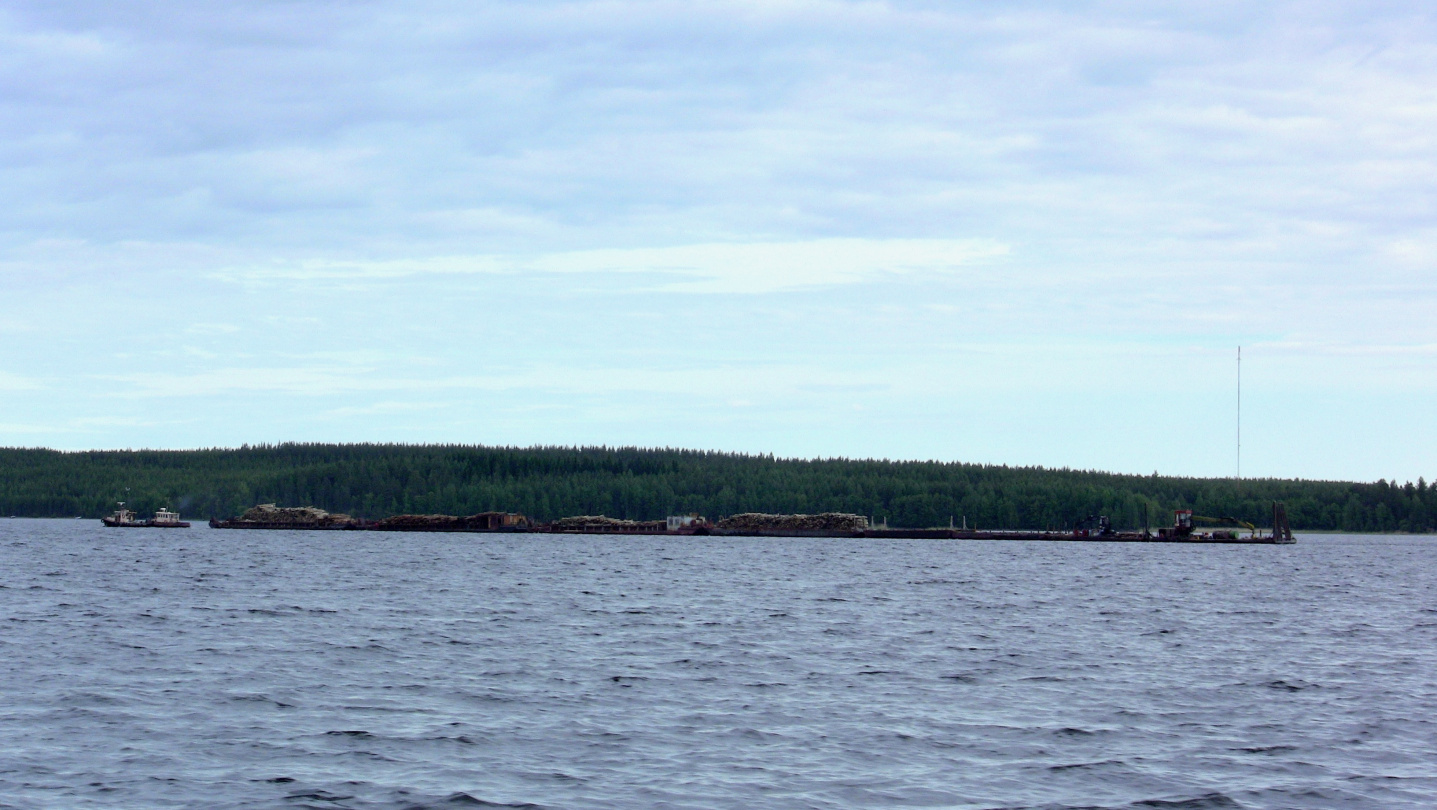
1013 233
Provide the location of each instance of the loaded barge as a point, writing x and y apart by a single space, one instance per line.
830 524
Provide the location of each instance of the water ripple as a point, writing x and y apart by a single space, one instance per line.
152 668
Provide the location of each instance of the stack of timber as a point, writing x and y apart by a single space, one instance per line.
827 524
270 516
481 522
602 524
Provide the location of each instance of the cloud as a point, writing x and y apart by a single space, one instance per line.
351 139
16 382
772 267
312 381
441 130
207 328
758 267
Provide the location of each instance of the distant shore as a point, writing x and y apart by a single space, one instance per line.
378 481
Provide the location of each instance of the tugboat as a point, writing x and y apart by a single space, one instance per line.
123 518
165 519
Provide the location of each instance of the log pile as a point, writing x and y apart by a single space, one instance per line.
484 521
604 523
825 522
293 515
419 523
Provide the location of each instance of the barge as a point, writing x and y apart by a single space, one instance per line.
1094 528
1100 528
270 516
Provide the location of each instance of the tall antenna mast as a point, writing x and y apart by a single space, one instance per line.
1239 412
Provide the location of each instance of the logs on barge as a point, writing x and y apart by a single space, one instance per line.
270 516
760 523
602 524
748 524
482 522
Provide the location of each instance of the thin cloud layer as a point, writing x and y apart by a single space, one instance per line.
758 267
622 125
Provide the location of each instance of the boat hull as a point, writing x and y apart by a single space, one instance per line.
143 524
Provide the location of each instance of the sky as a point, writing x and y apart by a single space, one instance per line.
1008 233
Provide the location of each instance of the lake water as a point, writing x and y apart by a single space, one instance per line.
231 669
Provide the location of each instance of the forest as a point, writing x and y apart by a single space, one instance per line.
378 480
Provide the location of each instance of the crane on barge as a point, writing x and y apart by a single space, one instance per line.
1184 519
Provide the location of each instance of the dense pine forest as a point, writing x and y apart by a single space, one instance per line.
374 481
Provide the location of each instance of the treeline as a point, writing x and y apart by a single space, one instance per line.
374 481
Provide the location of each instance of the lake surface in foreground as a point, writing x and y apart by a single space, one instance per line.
200 668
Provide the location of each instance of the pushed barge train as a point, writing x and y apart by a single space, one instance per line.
1098 527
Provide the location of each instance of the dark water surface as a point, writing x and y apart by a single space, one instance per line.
211 669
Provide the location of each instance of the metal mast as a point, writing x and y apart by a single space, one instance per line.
1239 412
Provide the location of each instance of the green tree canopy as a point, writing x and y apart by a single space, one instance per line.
377 480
